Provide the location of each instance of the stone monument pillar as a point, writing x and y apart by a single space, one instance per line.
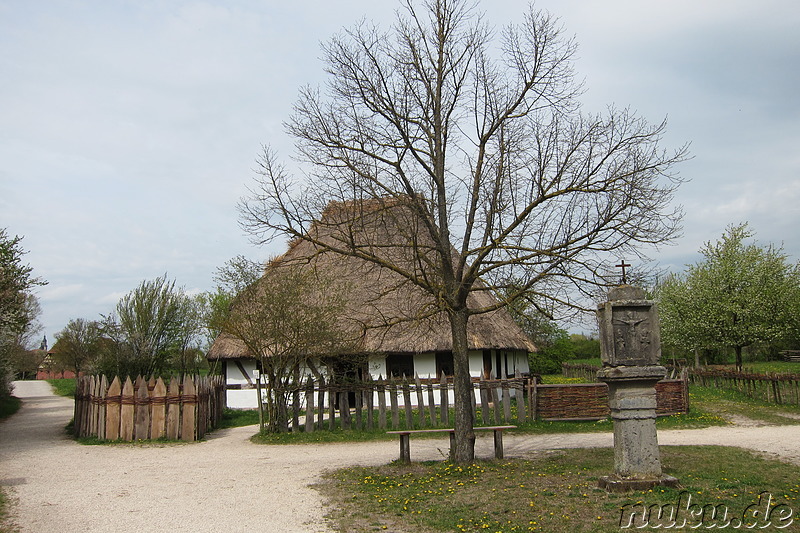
630 350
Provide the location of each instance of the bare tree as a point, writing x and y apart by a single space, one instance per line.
479 134
77 345
287 319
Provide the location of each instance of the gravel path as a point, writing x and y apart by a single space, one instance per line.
226 483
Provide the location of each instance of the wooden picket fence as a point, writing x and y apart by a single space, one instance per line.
148 409
426 403
401 403
774 388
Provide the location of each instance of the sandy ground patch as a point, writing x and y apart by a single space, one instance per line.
226 483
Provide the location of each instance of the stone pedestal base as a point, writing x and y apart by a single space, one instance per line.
618 484
632 399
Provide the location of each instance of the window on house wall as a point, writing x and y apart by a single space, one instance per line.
444 363
400 364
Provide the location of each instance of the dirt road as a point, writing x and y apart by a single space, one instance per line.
226 483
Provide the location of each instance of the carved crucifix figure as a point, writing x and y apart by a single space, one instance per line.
627 334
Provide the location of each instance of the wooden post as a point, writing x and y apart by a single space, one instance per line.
141 428
358 394
76 407
498 443
158 428
484 402
405 448
321 403
420 401
259 399
309 405
381 403
507 400
474 405
296 405
331 405
101 416
495 399
189 411
532 399
444 401
369 400
407 404
394 406
126 413
86 401
173 409
519 393
344 409
113 403
94 407
431 404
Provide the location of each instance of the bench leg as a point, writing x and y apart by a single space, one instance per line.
405 449
498 443
452 445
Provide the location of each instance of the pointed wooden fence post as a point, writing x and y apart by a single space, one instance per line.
474 405
158 428
77 407
358 394
126 412
141 428
393 404
113 404
381 403
506 399
484 401
320 403
332 395
495 399
101 416
420 401
431 403
309 405
522 405
296 404
94 405
86 407
369 401
407 404
444 401
173 409
189 410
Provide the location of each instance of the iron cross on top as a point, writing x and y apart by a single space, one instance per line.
623 265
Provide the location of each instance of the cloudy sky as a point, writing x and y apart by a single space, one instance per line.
128 129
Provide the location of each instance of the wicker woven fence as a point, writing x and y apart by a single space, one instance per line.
148 409
425 403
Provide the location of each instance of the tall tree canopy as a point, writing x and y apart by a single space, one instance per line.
18 306
740 294
480 134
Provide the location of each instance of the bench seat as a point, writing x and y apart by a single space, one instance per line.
405 441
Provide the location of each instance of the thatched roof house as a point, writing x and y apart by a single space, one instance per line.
398 327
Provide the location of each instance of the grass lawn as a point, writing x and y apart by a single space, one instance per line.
63 387
553 491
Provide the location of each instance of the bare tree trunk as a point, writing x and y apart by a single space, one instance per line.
738 358
464 451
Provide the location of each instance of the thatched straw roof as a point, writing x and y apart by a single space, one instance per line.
387 313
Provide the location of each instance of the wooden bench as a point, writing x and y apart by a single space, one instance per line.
405 446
